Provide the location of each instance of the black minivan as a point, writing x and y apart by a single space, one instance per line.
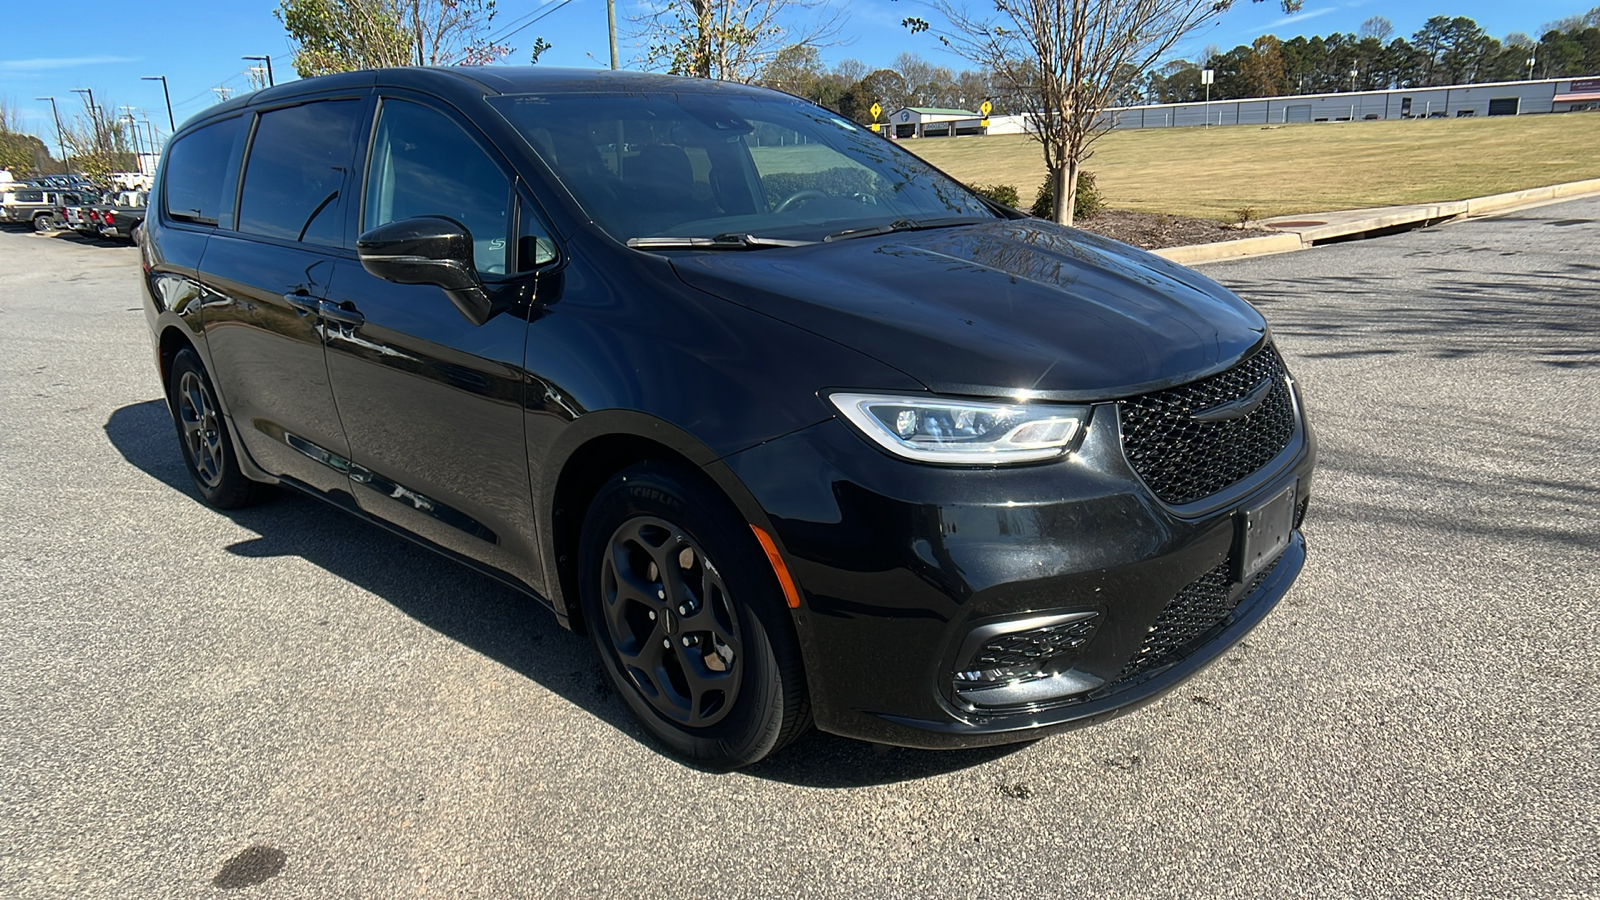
797 428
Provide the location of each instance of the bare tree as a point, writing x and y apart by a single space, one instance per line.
344 35
1070 58
98 145
730 40
1377 27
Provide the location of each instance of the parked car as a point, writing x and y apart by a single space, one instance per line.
32 206
795 427
125 213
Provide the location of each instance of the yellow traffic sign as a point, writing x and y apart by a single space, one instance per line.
876 126
983 123
876 110
985 108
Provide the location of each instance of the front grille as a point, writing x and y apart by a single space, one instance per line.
1198 609
1184 460
1033 648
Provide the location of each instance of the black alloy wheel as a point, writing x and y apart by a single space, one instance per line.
208 451
670 622
688 618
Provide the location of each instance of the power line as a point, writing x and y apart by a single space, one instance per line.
514 23
530 21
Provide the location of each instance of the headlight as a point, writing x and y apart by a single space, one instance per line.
963 432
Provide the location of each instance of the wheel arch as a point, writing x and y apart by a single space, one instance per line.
588 459
173 341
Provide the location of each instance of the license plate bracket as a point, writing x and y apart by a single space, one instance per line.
1264 533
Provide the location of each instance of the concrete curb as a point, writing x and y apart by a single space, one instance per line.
1353 223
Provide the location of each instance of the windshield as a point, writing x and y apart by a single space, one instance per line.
701 165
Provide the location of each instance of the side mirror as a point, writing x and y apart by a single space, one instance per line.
428 250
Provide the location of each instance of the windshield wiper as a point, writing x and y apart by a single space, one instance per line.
720 242
906 225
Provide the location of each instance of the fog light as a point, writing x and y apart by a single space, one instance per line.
1025 661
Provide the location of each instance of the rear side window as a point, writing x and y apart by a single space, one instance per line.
294 180
197 167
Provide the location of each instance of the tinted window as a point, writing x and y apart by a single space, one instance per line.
30 196
703 164
197 166
423 164
296 171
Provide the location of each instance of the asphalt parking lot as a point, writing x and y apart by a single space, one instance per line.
284 702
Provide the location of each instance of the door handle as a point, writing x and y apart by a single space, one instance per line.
304 304
345 314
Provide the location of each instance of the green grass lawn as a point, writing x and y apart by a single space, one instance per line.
1287 169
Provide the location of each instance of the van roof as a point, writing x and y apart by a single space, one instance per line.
461 81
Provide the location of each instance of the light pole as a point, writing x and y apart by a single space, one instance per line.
1530 68
173 126
89 91
61 142
268 61
97 138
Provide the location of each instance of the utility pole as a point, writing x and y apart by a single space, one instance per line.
268 61
223 92
163 79
133 129
155 147
611 29
60 141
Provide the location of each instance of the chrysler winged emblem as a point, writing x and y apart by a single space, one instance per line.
1236 409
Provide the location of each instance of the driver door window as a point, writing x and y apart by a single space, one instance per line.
424 164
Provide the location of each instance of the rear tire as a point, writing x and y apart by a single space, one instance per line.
208 451
688 618
41 223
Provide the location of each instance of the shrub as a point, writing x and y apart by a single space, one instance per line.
1085 205
1004 194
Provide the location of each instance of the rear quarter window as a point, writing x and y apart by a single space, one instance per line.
197 170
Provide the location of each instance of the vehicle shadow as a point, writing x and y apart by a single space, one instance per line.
490 618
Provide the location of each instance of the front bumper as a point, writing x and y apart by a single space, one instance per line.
900 563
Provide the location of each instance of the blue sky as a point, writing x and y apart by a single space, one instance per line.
198 44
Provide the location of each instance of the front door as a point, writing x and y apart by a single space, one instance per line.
432 403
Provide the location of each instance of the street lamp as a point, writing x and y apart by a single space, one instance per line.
163 79
263 59
61 141
90 92
1530 68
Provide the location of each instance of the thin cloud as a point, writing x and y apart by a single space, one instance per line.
1297 18
60 62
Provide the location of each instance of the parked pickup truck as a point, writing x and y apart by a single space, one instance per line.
80 218
34 207
123 215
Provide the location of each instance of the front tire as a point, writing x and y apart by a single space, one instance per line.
688 618
208 451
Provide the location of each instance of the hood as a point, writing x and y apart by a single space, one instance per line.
989 310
